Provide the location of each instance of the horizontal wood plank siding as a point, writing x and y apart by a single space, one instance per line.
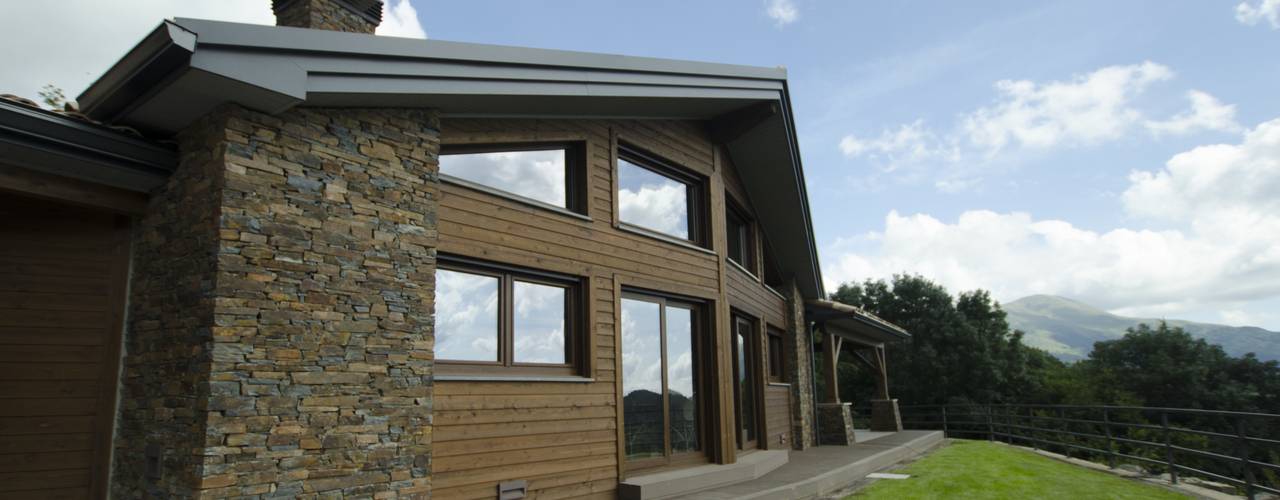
777 409
559 436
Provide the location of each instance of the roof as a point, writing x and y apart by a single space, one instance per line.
854 323
65 144
186 67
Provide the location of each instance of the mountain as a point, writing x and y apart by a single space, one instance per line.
1068 328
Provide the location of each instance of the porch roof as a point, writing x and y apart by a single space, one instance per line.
853 323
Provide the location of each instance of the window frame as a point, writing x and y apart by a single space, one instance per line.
777 356
702 372
750 240
696 197
575 339
575 175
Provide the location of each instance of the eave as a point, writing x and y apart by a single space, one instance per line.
188 67
853 323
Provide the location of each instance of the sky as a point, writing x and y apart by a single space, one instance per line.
1125 154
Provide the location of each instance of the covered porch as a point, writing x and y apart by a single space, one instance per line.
847 330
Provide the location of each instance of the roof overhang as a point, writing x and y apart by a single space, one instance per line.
187 67
853 324
53 144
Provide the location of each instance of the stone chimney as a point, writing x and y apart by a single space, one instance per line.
353 16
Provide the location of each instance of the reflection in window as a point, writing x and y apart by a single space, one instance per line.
680 386
466 316
642 378
652 200
538 175
539 323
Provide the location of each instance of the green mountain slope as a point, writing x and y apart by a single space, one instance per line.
1068 328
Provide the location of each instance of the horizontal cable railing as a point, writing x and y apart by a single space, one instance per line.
1241 449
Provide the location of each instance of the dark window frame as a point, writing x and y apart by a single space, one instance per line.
575 338
747 237
696 198
703 371
575 165
777 359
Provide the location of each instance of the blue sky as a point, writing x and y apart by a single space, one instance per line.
1015 146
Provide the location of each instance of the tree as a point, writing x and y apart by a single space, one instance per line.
53 97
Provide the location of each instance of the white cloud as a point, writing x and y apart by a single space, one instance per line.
1206 113
1222 201
399 18
783 12
1085 110
1031 117
1251 14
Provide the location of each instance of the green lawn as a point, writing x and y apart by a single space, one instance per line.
978 469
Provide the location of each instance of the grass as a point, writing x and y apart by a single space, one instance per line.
978 469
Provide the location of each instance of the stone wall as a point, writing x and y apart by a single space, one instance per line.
165 370
321 14
318 346
801 375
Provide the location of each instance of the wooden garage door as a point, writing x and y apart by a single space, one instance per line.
61 284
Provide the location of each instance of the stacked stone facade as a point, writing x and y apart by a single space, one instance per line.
335 15
800 363
310 362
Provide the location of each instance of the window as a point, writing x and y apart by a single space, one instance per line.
777 365
655 195
545 174
496 317
662 398
741 236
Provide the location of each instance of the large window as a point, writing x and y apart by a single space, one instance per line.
545 174
741 236
496 317
661 401
656 196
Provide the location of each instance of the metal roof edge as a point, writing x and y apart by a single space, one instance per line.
167 48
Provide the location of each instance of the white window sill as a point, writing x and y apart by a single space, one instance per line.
512 378
634 229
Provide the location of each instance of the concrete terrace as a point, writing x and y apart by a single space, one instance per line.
824 469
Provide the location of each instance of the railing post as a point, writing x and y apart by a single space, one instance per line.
1008 426
991 429
1062 421
944 421
1245 468
1031 422
1106 426
1168 448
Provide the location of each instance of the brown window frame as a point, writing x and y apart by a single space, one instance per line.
575 175
574 332
776 355
703 372
747 237
695 192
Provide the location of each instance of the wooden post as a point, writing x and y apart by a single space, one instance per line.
882 374
991 428
1168 448
1062 421
831 354
1031 422
1246 468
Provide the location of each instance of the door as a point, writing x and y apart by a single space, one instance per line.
62 272
746 382
663 402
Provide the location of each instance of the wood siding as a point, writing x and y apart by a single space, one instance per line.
563 437
61 275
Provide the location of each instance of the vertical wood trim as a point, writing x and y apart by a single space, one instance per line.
722 342
109 378
761 376
613 174
617 375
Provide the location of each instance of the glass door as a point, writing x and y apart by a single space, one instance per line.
661 402
746 389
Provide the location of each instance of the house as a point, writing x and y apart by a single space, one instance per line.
329 263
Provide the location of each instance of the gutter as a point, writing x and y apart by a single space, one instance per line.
165 50
803 190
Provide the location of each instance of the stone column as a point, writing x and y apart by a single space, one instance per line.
800 365
308 364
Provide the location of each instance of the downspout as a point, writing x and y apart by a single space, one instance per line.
813 383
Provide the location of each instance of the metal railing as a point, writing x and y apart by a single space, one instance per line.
1222 446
